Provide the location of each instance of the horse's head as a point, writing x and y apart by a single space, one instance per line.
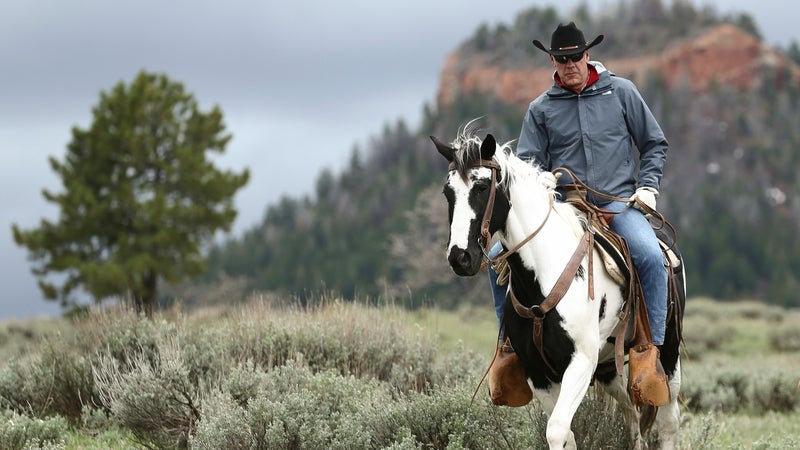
476 207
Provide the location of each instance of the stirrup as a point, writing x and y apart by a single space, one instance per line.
508 385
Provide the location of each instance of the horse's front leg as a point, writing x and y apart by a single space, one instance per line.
669 418
574 385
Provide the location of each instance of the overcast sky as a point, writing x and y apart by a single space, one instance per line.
300 82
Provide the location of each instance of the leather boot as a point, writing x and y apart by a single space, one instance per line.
508 384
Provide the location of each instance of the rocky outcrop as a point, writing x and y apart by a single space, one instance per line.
725 55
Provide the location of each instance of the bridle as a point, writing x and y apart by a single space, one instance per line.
485 240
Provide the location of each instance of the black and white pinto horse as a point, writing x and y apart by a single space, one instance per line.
577 334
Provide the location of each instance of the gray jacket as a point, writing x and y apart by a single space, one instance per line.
593 134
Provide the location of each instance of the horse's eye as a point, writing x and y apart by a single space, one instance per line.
448 193
481 187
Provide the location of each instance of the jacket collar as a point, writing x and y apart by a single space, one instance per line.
593 76
599 77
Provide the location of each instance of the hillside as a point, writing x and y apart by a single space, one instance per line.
723 55
728 104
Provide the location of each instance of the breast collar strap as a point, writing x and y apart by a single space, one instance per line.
537 312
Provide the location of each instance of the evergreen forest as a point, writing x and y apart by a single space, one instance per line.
377 228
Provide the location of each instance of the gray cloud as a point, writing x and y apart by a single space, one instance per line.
300 82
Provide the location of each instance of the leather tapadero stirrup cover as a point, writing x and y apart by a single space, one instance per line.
647 381
508 385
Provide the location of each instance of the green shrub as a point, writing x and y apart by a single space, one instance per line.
709 389
152 395
23 432
223 425
785 338
776 442
722 391
442 419
775 392
352 340
204 353
753 310
57 380
701 436
126 334
294 398
12 387
96 420
350 376
298 408
244 382
292 408
702 336
705 308
600 424
267 342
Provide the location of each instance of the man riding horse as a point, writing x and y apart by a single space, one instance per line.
588 122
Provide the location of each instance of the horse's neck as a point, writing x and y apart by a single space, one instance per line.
549 251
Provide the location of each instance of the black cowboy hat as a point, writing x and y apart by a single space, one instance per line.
568 40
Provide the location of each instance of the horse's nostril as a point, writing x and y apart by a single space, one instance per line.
464 259
459 258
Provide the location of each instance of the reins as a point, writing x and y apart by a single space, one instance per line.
502 256
580 185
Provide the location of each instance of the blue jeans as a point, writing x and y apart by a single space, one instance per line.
498 290
647 258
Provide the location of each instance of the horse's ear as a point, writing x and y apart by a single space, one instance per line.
488 147
444 149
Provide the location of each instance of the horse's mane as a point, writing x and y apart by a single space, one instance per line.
468 148
512 169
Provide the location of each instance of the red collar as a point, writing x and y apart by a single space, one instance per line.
593 76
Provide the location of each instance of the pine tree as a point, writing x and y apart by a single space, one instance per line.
139 196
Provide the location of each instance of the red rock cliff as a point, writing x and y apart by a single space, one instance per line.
724 54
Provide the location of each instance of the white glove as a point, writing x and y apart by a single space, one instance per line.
646 195
548 180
